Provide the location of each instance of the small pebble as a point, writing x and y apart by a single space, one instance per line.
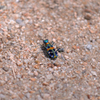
55 68
54 40
2 96
39 97
66 57
1 31
49 77
33 79
59 86
50 69
55 73
36 66
46 96
94 73
45 83
19 83
37 62
35 73
40 34
89 46
50 65
19 63
20 22
61 62
17 0
30 73
18 76
28 95
5 68
56 64
1 7
87 17
88 10
85 58
84 71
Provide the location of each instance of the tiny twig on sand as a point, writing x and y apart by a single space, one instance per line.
14 72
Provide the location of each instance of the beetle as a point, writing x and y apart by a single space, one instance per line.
50 49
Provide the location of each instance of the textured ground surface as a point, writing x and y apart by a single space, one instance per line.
26 73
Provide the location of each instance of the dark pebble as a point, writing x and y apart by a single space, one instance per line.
1 7
87 10
87 17
5 68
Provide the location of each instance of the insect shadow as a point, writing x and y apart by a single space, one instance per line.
45 52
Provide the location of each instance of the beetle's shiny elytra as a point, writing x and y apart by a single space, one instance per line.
50 49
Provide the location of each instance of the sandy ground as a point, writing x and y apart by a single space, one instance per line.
26 73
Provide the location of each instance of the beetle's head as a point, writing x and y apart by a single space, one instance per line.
45 41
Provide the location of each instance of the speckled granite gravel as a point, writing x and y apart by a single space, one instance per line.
25 71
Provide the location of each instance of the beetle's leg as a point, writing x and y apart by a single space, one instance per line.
52 43
61 57
43 47
60 49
